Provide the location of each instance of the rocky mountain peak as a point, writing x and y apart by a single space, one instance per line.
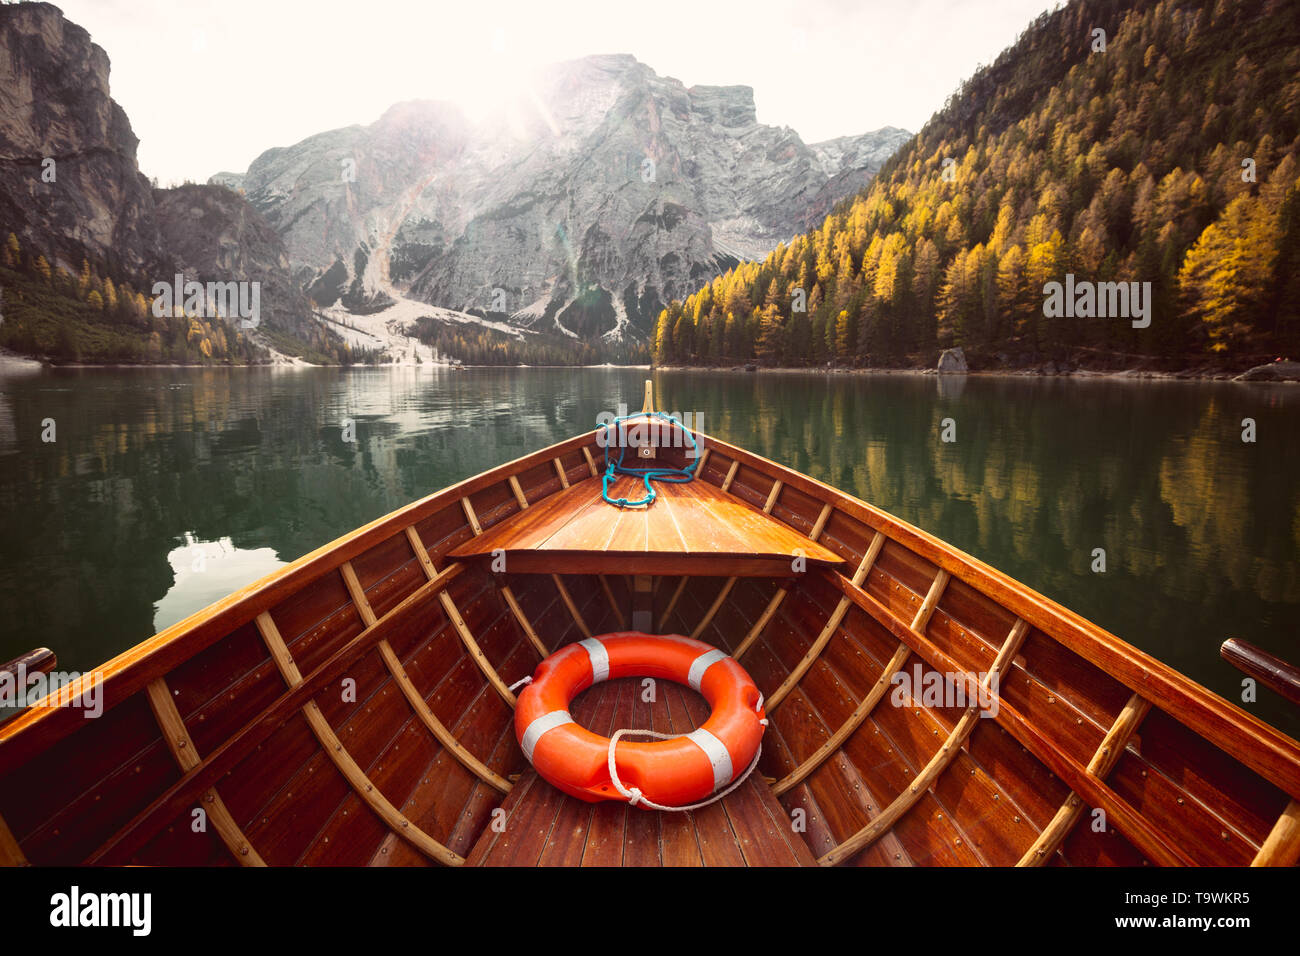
726 106
598 195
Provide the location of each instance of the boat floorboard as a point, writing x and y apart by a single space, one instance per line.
541 826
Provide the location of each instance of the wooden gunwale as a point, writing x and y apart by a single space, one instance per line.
1257 745
238 745
1143 835
1275 757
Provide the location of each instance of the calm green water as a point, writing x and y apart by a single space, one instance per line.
166 489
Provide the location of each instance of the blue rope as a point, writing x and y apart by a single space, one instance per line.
615 468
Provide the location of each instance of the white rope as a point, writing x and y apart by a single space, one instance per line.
519 683
635 796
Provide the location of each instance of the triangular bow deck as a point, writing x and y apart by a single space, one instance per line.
690 528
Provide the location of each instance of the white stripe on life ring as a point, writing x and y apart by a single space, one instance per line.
539 726
599 659
717 753
702 664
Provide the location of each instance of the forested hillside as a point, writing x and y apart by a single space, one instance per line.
1164 151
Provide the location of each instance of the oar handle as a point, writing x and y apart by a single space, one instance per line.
1270 671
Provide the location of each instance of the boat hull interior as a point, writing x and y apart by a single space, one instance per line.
354 708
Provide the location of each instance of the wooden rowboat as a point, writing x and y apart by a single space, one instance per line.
355 707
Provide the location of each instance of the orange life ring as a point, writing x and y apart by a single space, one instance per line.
672 772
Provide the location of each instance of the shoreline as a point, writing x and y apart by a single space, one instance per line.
1261 374
1137 375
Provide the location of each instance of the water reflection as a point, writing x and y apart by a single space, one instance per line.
206 571
1201 530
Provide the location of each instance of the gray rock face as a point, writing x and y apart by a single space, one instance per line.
212 234
585 208
55 105
952 362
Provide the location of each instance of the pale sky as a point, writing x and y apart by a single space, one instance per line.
208 86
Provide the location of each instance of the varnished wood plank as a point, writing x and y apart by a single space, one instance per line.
576 531
573 608
403 681
846 730
509 596
1259 746
832 625
472 646
718 601
513 603
183 751
1103 761
437 727
351 770
528 827
591 463
487 840
759 838
781 593
613 604
1156 845
176 798
883 821
672 602
731 582
559 470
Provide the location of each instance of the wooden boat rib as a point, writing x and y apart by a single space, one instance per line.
355 707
